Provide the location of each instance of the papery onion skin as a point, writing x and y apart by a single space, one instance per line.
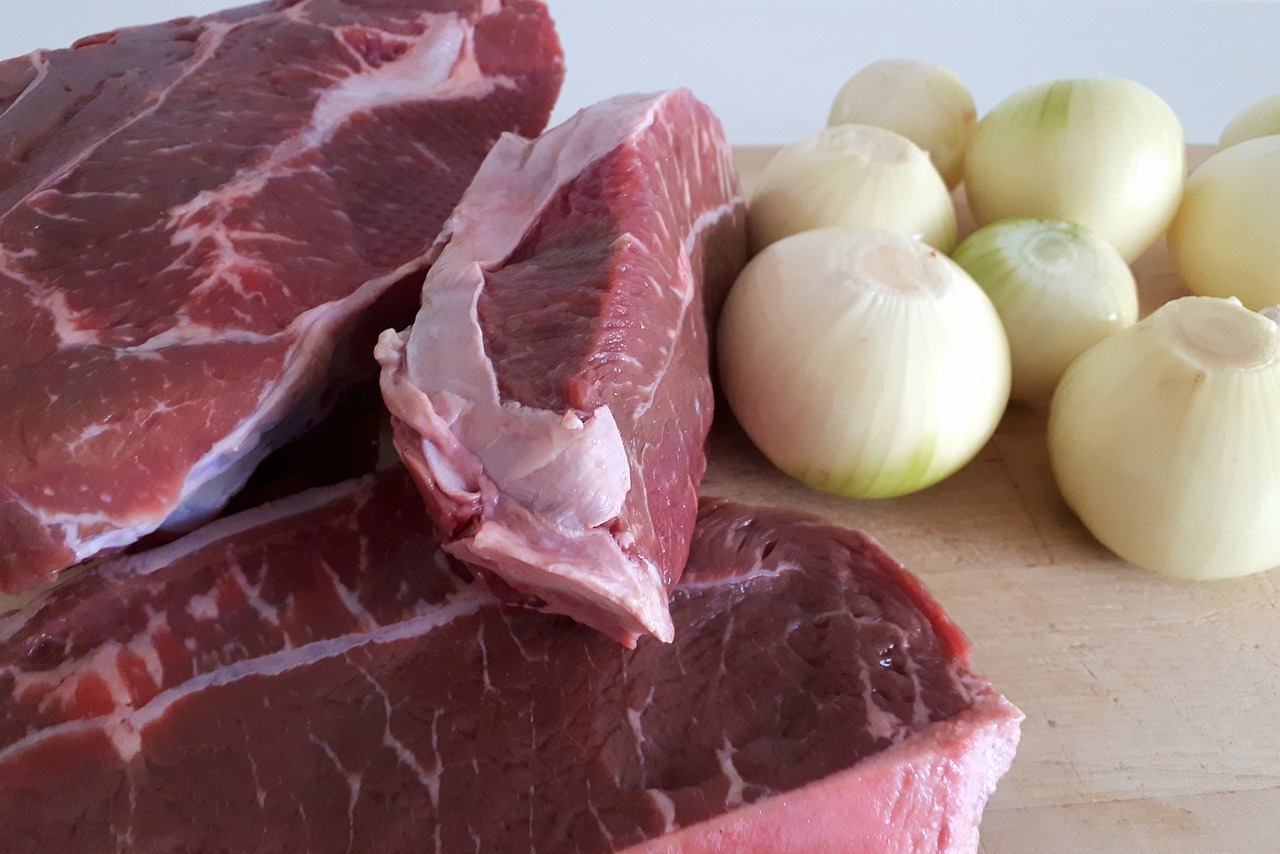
924 101
854 386
1225 238
852 176
1258 119
1105 153
1059 290
1165 440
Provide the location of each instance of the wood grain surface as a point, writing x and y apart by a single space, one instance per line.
1153 705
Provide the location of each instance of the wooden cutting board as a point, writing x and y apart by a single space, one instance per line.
1153 705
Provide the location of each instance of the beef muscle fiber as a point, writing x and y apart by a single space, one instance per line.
317 675
203 226
553 396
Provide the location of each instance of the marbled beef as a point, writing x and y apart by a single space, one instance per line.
202 228
553 396
318 676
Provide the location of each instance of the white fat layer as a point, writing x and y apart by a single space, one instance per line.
665 807
125 729
569 473
443 67
572 471
40 62
208 535
586 570
467 601
729 771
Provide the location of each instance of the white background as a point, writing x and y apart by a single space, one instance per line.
771 67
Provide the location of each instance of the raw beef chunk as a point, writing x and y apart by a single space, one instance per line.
317 675
553 397
203 226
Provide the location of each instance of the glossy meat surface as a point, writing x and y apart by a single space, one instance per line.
203 226
553 396
318 675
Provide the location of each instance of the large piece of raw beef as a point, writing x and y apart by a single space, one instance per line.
317 675
202 228
552 398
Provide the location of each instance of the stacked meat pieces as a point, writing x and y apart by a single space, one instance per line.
523 633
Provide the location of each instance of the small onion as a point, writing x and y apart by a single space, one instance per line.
1059 290
852 175
862 363
924 101
1107 154
1165 440
1225 238
1255 120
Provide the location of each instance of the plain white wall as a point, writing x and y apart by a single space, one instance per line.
771 67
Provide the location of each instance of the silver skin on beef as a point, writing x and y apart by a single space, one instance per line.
203 226
553 396
318 675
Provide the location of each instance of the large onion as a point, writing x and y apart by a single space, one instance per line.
1226 235
1258 119
862 363
857 176
1165 440
1059 289
924 101
1104 153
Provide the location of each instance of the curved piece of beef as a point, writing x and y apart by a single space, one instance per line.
552 398
317 675
203 226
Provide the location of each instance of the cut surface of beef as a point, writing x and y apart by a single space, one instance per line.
203 226
318 675
552 398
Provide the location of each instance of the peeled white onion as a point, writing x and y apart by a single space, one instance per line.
862 363
1165 440
1225 237
1255 120
1059 290
1104 153
924 101
856 176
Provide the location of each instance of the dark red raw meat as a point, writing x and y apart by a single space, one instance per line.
318 675
553 396
203 226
